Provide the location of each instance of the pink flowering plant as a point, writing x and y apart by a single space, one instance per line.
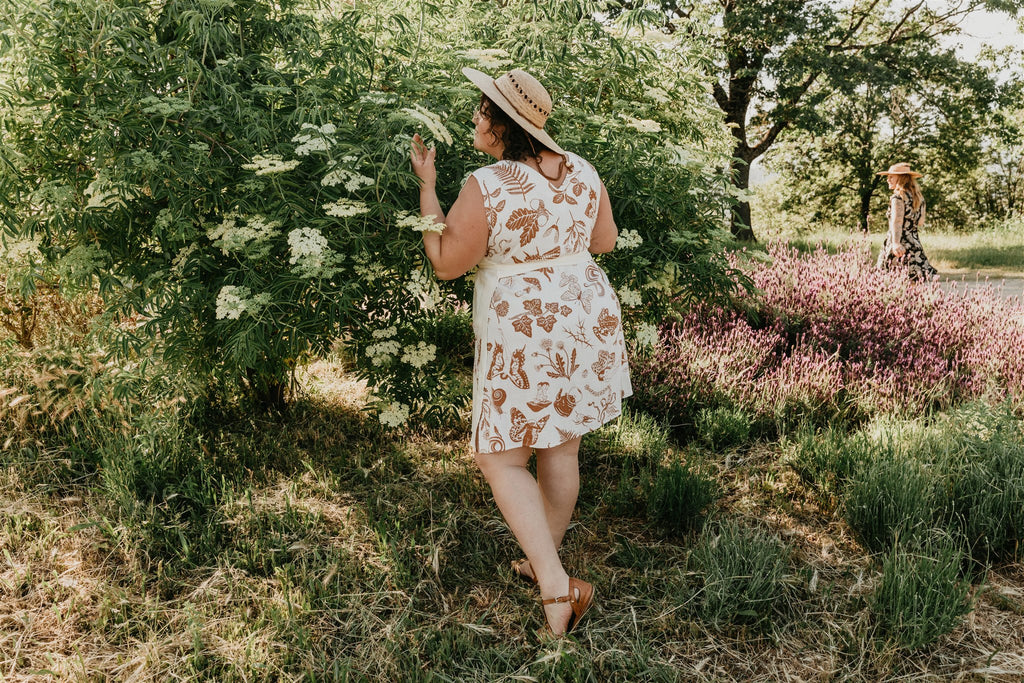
828 336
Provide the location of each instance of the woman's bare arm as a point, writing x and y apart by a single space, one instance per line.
463 241
463 244
896 209
605 232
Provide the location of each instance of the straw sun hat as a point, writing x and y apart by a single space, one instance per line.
901 168
522 97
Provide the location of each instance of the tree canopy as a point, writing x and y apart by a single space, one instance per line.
775 60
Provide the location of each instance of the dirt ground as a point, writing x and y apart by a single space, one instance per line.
1006 285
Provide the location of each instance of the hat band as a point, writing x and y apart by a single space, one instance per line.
523 103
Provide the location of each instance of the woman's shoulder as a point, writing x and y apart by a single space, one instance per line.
579 164
491 171
490 168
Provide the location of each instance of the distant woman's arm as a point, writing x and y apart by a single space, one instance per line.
896 209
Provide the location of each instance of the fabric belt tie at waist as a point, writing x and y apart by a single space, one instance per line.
487 275
489 272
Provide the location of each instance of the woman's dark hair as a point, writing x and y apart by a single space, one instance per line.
518 143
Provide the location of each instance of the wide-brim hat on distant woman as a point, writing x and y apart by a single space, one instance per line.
901 168
522 97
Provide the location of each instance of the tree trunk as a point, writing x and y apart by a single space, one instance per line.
267 391
865 208
740 223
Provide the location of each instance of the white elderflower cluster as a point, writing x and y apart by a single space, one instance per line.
629 239
304 243
394 415
340 175
82 261
419 354
386 333
163 219
421 223
24 250
378 97
233 301
383 352
424 289
145 160
494 58
666 281
431 120
61 197
312 138
165 106
310 254
642 125
677 154
270 164
656 94
345 208
629 297
647 336
251 234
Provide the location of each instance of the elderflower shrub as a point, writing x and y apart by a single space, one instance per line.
628 239
269 209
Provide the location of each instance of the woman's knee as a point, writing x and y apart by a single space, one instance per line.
484 461
493 463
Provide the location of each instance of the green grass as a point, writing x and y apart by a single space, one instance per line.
993 252
922 595
182 540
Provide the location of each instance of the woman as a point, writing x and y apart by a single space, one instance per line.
550 361
902 246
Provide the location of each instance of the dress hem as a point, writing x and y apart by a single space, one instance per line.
553 445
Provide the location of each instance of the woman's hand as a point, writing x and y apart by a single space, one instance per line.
899 251
423 161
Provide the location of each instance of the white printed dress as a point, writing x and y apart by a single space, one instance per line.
550 361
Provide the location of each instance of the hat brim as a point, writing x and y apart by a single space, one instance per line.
487 87
912 174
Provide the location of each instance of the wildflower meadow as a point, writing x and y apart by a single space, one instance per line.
234 397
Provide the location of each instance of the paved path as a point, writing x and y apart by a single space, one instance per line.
1011 286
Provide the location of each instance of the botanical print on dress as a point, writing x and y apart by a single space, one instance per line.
551 363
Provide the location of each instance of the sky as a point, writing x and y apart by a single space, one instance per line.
994 28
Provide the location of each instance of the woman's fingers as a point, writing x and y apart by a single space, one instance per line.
420 151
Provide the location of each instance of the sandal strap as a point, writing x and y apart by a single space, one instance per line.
552 601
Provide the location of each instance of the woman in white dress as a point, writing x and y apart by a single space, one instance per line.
550 358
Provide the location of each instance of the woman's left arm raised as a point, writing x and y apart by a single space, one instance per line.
463 242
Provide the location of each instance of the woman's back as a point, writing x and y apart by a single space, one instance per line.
531 218
551 357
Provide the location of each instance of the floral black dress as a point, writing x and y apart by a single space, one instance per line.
914 262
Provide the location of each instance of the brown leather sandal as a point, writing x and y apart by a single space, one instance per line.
580 597
517 568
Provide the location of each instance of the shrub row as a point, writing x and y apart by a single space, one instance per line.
828 337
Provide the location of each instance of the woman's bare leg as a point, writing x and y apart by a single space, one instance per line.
521 503
558 475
